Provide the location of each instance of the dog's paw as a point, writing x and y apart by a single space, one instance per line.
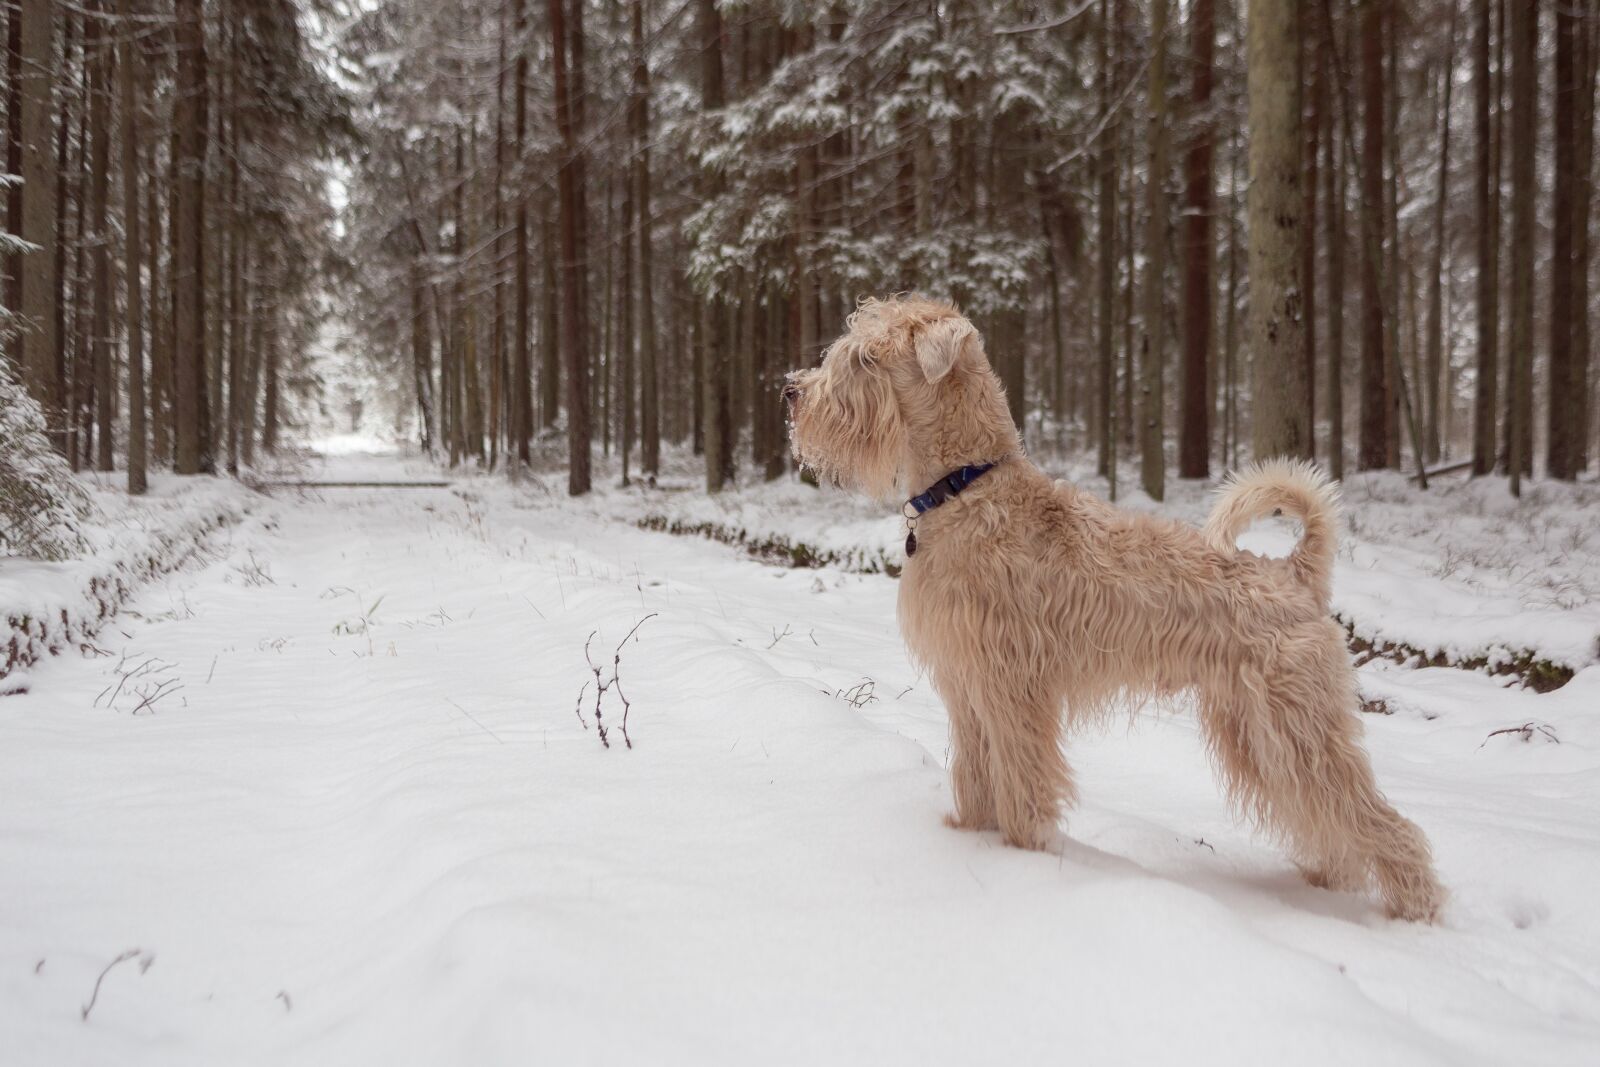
956 822
1334 878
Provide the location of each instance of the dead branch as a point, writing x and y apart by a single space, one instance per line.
1525 732
94 994
602 685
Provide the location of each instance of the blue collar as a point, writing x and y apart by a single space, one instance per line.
950 485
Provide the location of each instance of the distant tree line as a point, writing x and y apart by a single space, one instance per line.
1358 232
171 157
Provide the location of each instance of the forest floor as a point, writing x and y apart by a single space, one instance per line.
377 824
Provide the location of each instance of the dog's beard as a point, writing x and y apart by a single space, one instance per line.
845 454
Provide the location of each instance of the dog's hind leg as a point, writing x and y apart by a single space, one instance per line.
1290 744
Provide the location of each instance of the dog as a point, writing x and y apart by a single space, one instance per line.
1022 596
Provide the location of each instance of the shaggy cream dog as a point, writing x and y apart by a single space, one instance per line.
1022 595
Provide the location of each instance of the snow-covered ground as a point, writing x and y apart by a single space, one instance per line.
371 827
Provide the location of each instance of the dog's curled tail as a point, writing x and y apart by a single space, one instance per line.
1299 489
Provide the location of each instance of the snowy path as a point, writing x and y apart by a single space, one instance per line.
369 829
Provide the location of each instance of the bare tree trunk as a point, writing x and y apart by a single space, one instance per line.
1583 202
1282 426
625 332
422 357
11 295
1152 348
37 300
1487 197
1334 214
718 402
1394 271
192 415
1230 332
1435 362
574 318
160 307
1194 442
269 405
521 370
1374 443
549 323
649 377
133 251
239 246
1106 153
1313 73
1560 440
98 57
258 272
1524 19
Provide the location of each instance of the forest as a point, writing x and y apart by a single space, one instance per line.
532 233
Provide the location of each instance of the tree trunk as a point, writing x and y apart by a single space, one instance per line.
11 295
160 307
1106 153
1559 444
1316 103
1394 271
1583 201
1524 19
238 245
574 318
1282 426
1152 346
192 414
1194 441
98 56
625 333
1486 194
1433 420
1373 449
639 115
133 251
1334 216
269 405
38 302
521 393
422 356
715 379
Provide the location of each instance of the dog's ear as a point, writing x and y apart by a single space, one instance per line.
942 344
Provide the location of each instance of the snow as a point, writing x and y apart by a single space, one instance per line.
47 606
371 828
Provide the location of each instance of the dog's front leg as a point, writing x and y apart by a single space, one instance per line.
969 771
1027 771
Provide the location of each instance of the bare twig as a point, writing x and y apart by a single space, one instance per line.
1525 732
94 995
859 695
599 690
601 685
166 688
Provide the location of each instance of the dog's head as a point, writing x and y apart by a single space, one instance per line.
905 396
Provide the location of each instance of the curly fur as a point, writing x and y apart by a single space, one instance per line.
1026 597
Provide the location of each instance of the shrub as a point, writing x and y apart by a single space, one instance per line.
41 503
